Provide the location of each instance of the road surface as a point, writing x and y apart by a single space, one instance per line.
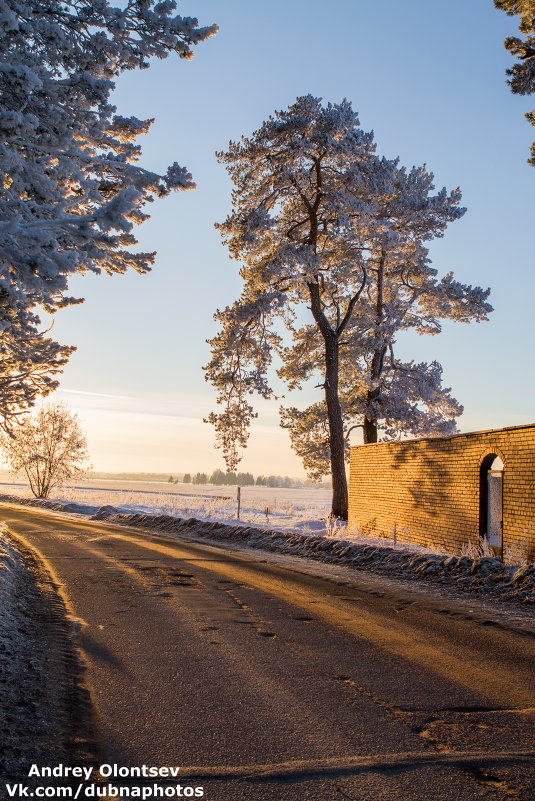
264 679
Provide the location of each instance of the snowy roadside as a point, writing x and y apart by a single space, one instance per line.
288 513
484 576
27 719
302 511
38 668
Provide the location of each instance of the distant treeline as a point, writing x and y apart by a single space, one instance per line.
219 478
129 476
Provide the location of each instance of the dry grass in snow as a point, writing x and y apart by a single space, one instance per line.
297 511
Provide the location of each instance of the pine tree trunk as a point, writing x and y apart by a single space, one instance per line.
370 424
336 431
370 430
340 499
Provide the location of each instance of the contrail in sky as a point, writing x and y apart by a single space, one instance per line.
96 394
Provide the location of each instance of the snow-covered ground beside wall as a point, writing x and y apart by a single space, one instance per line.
292 510
288 510
297 524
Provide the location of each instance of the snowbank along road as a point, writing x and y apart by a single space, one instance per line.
265 678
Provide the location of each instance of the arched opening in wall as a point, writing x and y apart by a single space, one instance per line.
491 501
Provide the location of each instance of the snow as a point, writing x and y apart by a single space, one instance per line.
295 510
42 701
73 191
8 568
22 666
298 526
322 223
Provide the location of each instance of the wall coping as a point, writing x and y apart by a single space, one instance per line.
398 442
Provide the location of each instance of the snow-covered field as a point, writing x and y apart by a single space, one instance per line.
299 511
283 509
296 524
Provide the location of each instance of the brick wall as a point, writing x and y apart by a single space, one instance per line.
429 489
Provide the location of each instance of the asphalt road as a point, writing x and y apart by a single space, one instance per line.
265 680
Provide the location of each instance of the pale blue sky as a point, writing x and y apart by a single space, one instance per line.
428 77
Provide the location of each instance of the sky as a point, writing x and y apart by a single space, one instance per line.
429 78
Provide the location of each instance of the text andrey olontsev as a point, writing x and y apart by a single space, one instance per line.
96 789
105 772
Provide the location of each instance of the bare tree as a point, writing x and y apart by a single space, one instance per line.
49 447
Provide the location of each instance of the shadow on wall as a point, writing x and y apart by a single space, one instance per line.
371 529
425 477
450 492
433 488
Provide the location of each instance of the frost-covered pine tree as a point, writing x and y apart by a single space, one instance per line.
71 191
29 361
402 292
522 74
328 230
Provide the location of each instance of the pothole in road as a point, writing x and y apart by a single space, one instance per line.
488 779
437 729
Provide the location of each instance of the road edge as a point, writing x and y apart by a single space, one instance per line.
76 711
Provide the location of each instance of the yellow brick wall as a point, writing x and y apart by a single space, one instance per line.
429 489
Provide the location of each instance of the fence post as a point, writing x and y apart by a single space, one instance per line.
239 501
